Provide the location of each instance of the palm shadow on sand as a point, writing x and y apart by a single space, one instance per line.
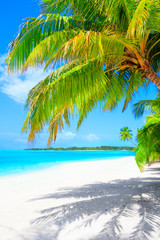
118 199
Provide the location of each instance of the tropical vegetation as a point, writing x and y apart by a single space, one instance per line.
105 51
148 137
102 148
126 134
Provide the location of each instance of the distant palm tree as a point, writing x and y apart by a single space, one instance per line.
126 134
109 49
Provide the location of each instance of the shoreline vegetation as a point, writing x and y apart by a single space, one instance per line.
102 148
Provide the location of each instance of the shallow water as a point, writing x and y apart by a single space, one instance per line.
20 161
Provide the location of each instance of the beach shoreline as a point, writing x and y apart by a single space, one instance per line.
81 201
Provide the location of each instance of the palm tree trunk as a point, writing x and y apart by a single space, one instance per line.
133 143
153 77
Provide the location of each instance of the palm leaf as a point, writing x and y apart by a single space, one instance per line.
140 107
33 32
63 90
134 83
138 23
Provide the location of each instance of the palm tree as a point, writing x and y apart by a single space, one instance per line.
126 134
148 137
108 49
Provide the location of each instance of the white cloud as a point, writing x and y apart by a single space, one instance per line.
70 134
17 86
92 137
66 136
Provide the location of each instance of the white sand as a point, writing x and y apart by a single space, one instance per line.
98 200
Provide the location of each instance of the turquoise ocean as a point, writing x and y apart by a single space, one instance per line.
21 161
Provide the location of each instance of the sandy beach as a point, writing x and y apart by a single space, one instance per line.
99 200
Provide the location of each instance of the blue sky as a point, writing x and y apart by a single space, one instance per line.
100 128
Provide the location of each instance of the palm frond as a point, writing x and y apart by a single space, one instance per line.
89 9
33 32
138 22
148 137
119 14
96 97
154 18
140 107
141 157
152 105
45 51
134 83
65 90
115 91
88 45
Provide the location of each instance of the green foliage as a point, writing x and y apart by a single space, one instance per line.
102 148
148 137
125 134
147 105
105 48
72 77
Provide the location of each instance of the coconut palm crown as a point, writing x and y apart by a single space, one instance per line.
107 50
126 134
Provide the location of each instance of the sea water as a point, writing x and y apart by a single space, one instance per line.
20 161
